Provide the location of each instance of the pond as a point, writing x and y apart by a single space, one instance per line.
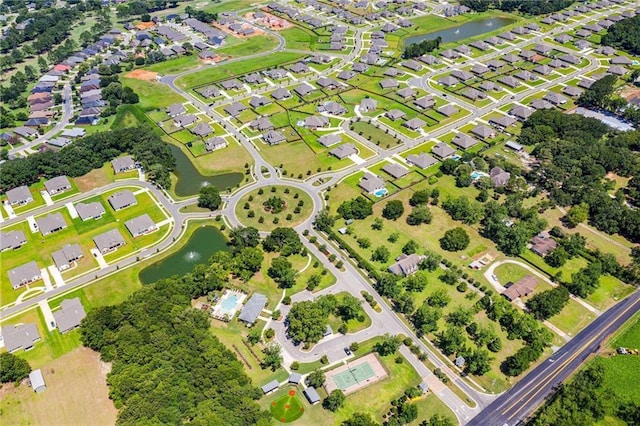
470 29
205 241
190 180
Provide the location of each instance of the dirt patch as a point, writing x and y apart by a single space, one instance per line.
94 179
142 75
76 393
268 20
630 93
145 25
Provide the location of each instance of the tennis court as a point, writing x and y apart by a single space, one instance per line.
356 375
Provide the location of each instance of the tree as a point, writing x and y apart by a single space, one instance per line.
393 210
244 237
419 215
334 401
460 316
477 362
285 240
358 208
455 239
450 341
359 419
438 420
578 214
282 272
425 319
209 198
462 209
324 220
599 93
272 357
307 322
247 262
557 257
420 198
548 303
439 298
316 379
388 345
348 307
387 285
377 224
410 247
416 282
404 304
13 368
380 254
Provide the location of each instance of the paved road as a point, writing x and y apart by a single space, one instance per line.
521 400
67 113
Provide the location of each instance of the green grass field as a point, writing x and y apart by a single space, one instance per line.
293 199
287 408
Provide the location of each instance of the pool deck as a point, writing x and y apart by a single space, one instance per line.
221 312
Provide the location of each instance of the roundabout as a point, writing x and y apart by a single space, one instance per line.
273 206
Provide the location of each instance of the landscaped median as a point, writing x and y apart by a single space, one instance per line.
269 207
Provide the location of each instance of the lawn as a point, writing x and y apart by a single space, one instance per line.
353 325
174 66
629 336
297 38
510 273
152 94
76 392
573 318
287 408
293 207
621 375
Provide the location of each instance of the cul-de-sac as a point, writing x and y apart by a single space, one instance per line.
320 212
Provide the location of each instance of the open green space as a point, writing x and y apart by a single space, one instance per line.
298 38
153 95
361 321
277 206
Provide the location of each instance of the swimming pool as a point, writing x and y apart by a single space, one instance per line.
381 192
229 304
477 174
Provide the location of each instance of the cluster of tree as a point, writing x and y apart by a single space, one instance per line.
283 240
517 325
462 209
393 210
334 401
600 95
113 91
418 49
308 319
511 236
160 347
586 400
91 152
201 15
13 368
14 94
209 198
625 35
455 239
528 7
548 303
575 155
402 411
143 7
358 208
47 28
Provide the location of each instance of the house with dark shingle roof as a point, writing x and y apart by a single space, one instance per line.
344 151
12 240
24 274
443 151
423 160
215 143
66 256
109 241
406 264
70 315
53 222
21 336
140 225
93 210
273 137
251 310
201 129
414 124
371 183
122 199
19 196
395 170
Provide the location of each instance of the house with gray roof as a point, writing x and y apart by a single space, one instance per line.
64 257
329 139
215 143
109 241
368 104
231 84
414 124
273 137
502 121
464 141
572 91
443 151
201 129
122 199
70 314
525 75
19 196
299 68
123 164
508 80
499 177
281 94
406 93
449 54
93 210
254 78
425 102
483 131
429 59
479 69
140 225
12 240
176 109
389 83
235 109
406 264
448 110
461 75
541 104
258 101
521 112
423 160
304 89
261 124
555 98
251 310
57 185
344 151
371 183
22 336
569 58
448 81
395 170
24 274
474 94
316 121
394 114
412 65
51 223
332 108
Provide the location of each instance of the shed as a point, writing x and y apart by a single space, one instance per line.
312 395
37 381
295 378
251 310
270 387
459 361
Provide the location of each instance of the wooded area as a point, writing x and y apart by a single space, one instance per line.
538 7
625 35
91 152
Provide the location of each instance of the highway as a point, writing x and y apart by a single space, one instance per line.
521 400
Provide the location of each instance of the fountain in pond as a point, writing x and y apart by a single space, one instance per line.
192 256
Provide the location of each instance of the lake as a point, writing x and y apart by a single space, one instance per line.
205 241
190 180
470 29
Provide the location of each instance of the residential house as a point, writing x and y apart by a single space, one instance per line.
21 336
344 151
24 274
57 185
483 131
542 244
414 124
273 137
499 177
12 240
443 151
140 225
395 170
464 141
66 256
523 287
109 241
19 196
406 264
423 160
215 143
51 223
88 211
371 183
70 315
122 199
123 164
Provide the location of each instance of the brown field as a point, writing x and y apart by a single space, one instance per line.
142 75
256 31
145 25
96 178
76 394
273 22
